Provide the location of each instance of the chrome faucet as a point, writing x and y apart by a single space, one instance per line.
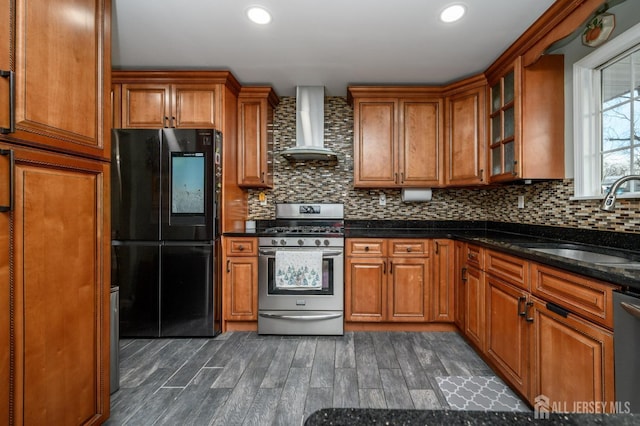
609 201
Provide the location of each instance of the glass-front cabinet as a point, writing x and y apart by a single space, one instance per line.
526 120
503 125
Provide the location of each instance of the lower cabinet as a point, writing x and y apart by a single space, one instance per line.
507 332
571 359
442 291
458 284
240 282
55 338
365 289
387 280
407 289
548 351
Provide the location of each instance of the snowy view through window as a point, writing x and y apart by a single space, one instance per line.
620 117
187 187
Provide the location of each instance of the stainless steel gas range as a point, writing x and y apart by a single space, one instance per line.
301 271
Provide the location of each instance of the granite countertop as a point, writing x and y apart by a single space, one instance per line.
363 416
508 237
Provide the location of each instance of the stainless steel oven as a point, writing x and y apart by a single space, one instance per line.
302 309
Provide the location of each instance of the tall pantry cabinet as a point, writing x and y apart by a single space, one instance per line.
54 211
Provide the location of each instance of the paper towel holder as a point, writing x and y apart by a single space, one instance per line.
414 195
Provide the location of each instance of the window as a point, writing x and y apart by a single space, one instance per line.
607 116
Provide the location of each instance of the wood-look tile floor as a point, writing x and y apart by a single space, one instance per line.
242 378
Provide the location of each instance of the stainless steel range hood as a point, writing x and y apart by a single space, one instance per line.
309 127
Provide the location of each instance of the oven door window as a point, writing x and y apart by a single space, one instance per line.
327 280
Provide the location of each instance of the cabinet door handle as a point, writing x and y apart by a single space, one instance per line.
527 317
9 152
12 101
515 167
366 248
228 265
165 119
437 248
463 275
391 266
401 177
384 268
408 249
481 175
262 177
521 306
241 247
395 177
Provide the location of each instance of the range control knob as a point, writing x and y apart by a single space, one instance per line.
274 242
318 242
283 243
300 242
326 242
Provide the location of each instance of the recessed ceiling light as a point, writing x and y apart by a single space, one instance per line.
452 13
259 15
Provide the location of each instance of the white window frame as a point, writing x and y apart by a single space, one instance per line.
586 114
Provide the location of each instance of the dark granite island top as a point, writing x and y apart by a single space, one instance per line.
363 416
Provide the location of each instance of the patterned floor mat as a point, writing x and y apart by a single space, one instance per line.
479 393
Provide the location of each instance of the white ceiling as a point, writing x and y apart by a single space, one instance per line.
319 42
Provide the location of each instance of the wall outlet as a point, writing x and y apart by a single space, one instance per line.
383 200
262 198
521 201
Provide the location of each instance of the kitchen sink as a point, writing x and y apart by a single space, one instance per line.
583 253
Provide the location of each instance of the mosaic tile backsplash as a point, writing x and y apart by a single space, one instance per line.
546 203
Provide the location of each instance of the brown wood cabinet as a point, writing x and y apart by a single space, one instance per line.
398 136
458 284
61 75
387 280
157 105
470 293
365 289
526 138
507 332
442 285
57 289
465 140
552 343
571 359
55 233
240 282
365 286
512 269
255 136
586 297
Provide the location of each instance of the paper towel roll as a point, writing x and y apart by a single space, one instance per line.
410 195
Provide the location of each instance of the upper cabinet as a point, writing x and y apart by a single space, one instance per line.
255 136
526 121
57 94
398 135
465 141
176 99
170 105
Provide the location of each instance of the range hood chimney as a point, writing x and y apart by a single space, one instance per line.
309 127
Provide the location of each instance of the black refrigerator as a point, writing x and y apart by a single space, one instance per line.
165 231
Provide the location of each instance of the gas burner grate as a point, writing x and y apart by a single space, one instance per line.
305 230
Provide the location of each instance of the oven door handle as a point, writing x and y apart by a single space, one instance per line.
302 317
328 253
